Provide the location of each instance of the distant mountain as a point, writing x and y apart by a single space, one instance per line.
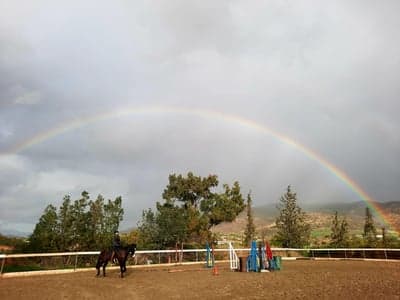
14 233
320 216
348 209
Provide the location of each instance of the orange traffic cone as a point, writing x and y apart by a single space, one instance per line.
215 270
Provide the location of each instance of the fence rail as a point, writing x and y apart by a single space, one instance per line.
85 259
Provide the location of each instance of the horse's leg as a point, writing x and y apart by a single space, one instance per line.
104 268
121 267
125 264
98 265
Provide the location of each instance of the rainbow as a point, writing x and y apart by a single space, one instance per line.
204 113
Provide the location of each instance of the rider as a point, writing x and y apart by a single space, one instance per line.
116 244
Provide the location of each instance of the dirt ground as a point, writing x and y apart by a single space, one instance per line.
296 280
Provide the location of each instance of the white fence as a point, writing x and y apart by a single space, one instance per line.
197 255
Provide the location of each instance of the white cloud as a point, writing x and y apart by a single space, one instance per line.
29 98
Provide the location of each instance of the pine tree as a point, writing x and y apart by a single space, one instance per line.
339 234
369 230
335 230
65 221
344 233
250 227
384 240
45 235
293 230
80 225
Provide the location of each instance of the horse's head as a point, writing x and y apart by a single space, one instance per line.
132 249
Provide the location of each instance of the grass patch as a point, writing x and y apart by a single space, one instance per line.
13 268
321 233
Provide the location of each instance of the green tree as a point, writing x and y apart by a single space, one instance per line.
80 217
113 214
293 230
339 232
369 234
45 235
65 222
172 224
148 231
80 225
96 227
250 230
223 207
190 190
344 233
190 208
203 207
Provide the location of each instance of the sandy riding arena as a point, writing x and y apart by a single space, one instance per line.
297 279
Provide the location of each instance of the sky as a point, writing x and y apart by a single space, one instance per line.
112 97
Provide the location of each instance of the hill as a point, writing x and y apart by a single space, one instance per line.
319 216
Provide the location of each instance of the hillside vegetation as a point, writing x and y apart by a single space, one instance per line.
319 216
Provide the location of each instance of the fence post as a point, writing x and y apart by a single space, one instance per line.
385 254
159 257
3 261
345 256
76 262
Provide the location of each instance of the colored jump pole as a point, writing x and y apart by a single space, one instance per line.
209 258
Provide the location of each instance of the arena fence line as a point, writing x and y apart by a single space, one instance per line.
76 260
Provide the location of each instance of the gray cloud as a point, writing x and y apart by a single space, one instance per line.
324 74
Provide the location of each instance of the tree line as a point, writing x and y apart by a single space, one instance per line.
80 225
190 207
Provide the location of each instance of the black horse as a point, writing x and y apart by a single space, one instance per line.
121 255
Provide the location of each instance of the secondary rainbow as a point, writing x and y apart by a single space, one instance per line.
205 113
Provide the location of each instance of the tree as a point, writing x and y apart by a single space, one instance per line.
339 234
190 190
190 208
148 231
384 239
204 207
344 233
223 207
293 230
45 235
113 215
80 217
65 222
250 227
96 224
369 234
172 224
80 225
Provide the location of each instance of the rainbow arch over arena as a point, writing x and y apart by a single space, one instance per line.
210 114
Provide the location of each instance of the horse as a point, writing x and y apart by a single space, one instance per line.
121 255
